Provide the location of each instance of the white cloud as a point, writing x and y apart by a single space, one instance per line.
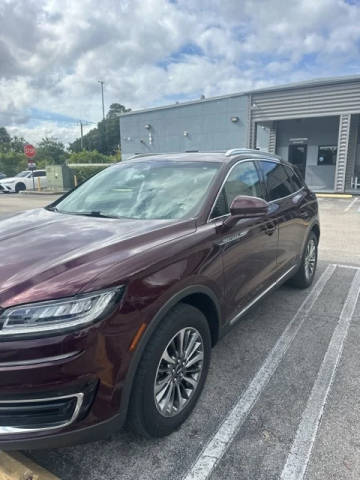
52 52
34 135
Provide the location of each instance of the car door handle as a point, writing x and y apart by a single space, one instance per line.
304 214
270 228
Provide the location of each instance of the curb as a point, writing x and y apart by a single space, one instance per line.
28 192
18 467
334 195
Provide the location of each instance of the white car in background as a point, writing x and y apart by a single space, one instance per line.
25 180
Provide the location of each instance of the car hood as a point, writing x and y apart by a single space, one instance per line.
47 254
9 179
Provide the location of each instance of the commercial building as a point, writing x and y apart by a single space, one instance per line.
313 124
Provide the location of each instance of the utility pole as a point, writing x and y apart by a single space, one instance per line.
102 97
103 110
82 136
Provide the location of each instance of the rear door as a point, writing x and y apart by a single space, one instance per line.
249 247
285 198
40 178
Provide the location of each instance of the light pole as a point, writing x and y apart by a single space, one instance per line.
82 136
102 97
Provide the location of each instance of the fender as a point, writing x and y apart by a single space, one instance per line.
150 329
311 226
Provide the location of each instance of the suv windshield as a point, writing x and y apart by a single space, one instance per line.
23 174
143 190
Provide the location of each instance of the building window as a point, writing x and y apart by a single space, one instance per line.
327 155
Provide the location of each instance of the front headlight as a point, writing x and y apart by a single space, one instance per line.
63 314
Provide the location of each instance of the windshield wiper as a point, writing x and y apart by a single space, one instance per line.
51 209
96 214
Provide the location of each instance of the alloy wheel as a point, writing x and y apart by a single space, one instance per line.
310 259
179 371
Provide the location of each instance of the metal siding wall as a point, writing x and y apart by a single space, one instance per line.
208 123
357 153
307 102
351 158
272 138
342 154
250 127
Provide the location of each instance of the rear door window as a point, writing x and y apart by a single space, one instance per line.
294 179
277 181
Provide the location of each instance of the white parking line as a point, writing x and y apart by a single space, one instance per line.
299 455
222 438
352 267
351 204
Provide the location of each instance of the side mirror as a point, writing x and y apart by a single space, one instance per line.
246 207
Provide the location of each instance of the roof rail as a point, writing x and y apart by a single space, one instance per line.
244 151
139 155
150 154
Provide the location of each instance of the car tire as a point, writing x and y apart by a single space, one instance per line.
165 391
19 187
305 275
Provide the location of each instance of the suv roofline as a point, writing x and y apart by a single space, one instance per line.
228 153
250 151
153 154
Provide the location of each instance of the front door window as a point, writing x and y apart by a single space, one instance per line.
242 180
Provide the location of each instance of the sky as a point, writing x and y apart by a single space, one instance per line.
157 52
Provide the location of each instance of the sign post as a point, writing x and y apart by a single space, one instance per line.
30 152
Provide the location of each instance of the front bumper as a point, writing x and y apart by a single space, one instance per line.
64 389
7 188
61 439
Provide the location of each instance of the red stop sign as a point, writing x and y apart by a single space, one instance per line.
29 151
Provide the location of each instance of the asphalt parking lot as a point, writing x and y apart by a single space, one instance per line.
14 203
281 399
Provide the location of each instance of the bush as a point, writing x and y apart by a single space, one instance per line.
83 173
89 157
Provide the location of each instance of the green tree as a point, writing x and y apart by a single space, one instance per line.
91 141
112 127
17 144
116 109
12 163
12 158
5 140
51 151
105 138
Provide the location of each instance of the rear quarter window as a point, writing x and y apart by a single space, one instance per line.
295 181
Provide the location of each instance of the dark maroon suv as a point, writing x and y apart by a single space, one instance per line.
112 297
